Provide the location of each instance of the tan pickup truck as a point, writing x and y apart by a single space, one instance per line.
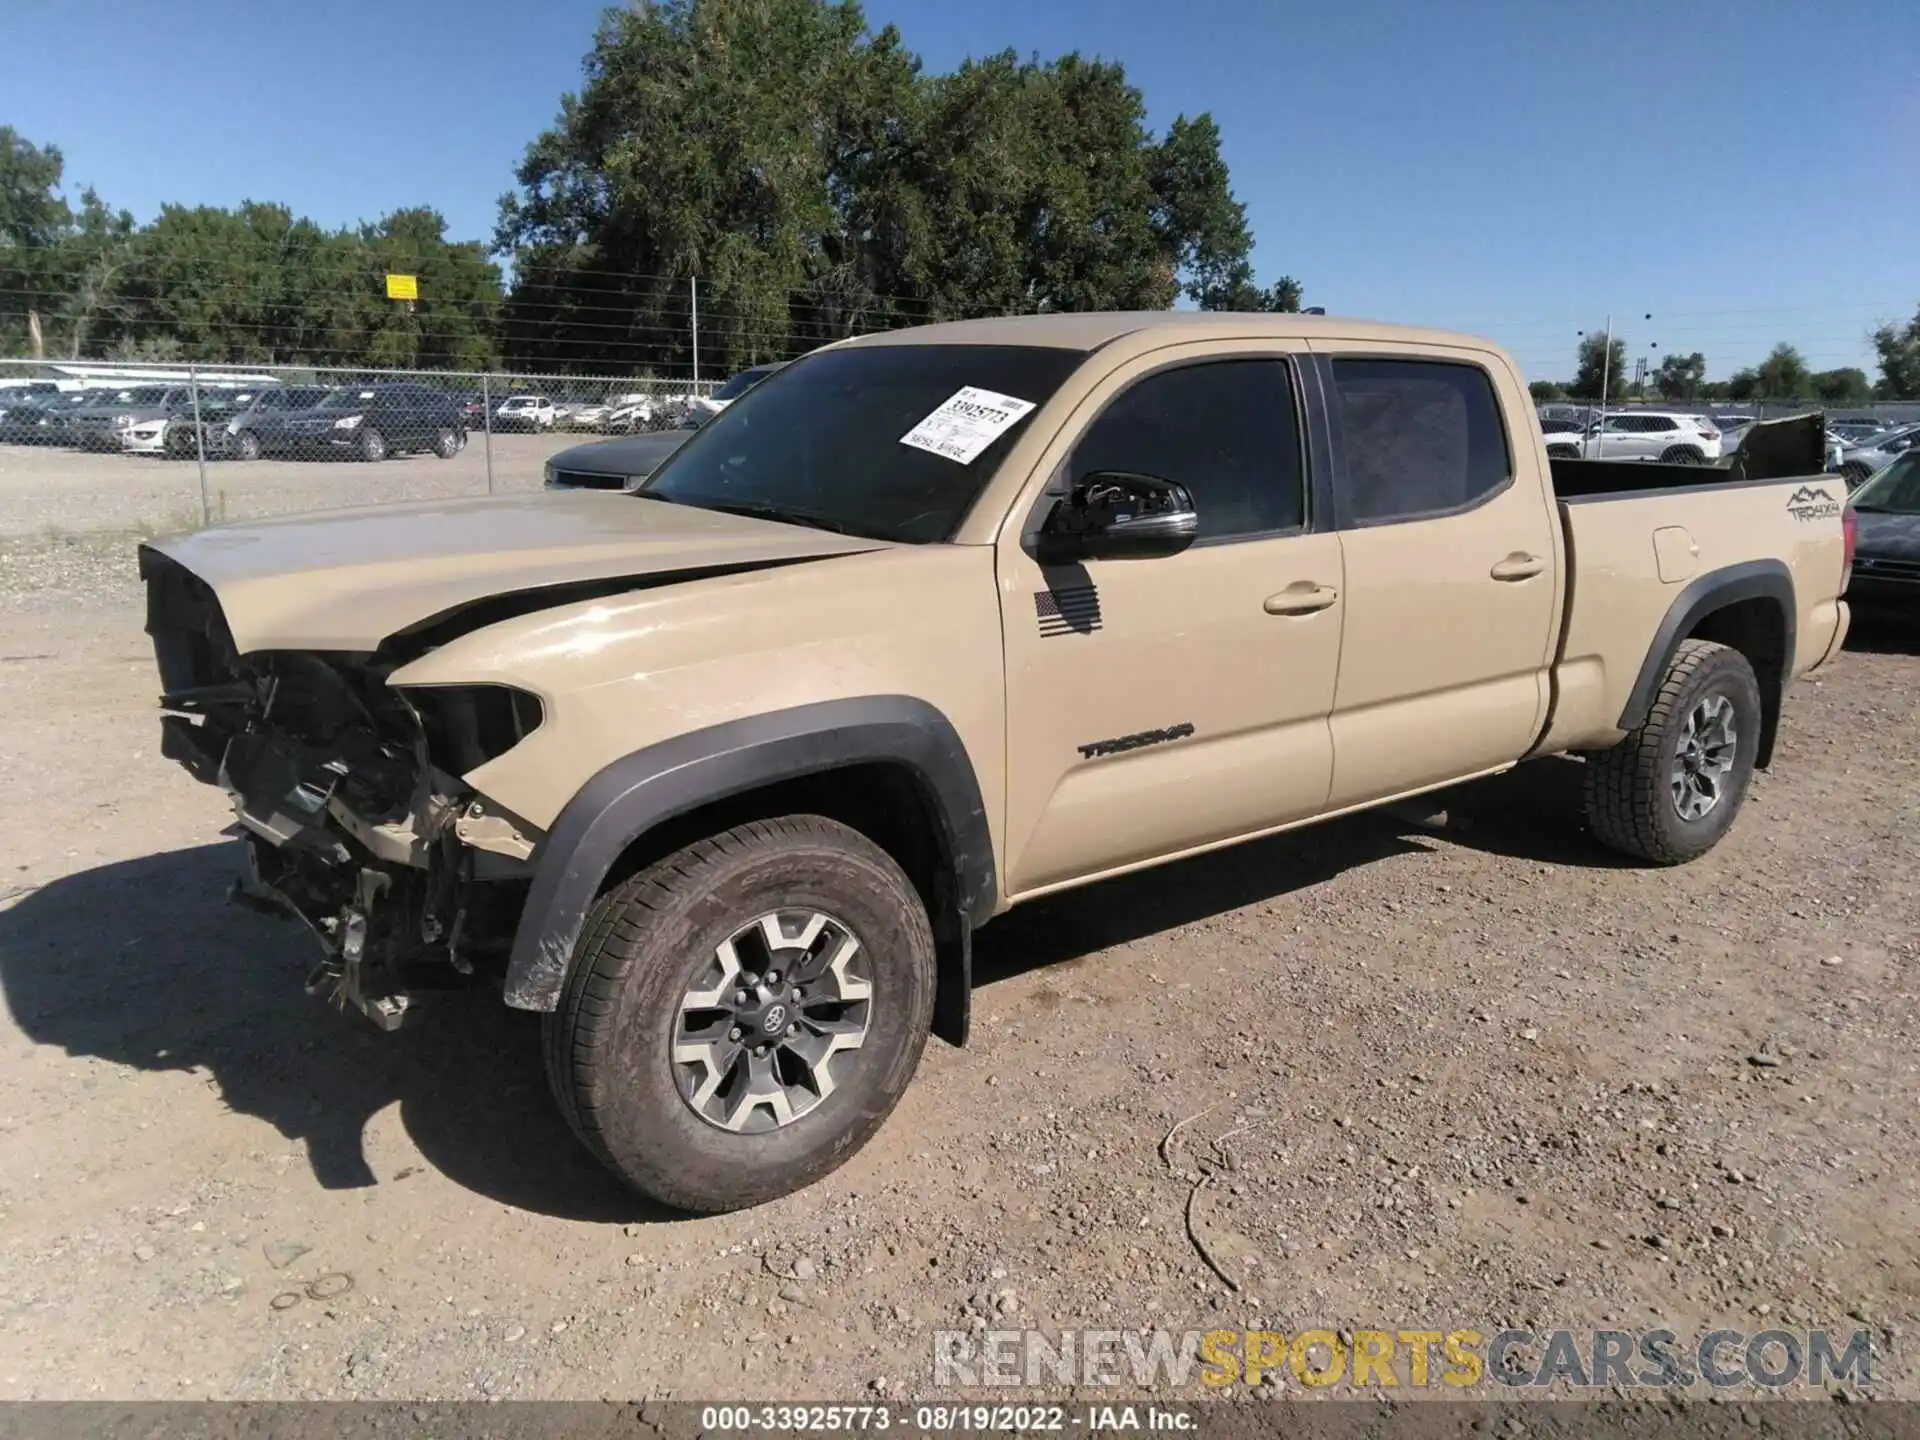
723 774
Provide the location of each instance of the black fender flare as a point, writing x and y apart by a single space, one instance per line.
1704 594
632 795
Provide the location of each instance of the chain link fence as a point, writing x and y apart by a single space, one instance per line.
127 446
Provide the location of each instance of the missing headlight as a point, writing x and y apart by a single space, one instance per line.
468 725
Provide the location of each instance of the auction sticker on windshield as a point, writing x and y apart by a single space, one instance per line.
966 424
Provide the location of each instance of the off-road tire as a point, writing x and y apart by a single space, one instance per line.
246 445
1684 455
373 445
1629 795
609 1043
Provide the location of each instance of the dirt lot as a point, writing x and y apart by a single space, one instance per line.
1473 1075
57 492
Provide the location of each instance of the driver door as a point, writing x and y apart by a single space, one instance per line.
1160 705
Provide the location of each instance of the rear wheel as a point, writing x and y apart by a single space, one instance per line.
446 443
1683 455
1672 788
740 1017
1855 474
246 445
1562 452
373 445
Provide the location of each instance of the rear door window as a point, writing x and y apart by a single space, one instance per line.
1417 437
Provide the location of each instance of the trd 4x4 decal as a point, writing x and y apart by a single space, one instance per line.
1812 502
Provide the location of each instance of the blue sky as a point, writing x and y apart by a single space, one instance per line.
1745 172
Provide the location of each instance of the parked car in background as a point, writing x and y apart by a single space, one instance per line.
613 464
1857 462
174 432
96 425
1857 431
581 415
1886 558
706 407
27 417
631 413
261 427
524 412
371 422
1668 437
46 419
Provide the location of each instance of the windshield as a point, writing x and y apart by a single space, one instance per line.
347 400
821 443
1895 489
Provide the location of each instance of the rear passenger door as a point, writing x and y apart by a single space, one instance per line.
1452 555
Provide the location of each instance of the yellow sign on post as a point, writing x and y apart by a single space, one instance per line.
403 287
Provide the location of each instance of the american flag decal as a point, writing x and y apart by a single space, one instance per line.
1068 612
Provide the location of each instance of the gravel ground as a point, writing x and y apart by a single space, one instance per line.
58 493
1466 1074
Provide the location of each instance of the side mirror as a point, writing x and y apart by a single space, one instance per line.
1116 515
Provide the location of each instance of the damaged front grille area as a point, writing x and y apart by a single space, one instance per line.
348 791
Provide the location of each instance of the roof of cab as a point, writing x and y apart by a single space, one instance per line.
1089 331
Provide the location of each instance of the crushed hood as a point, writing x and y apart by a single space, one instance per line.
349 579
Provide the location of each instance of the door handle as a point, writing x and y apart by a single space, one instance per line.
1518 566
1301 598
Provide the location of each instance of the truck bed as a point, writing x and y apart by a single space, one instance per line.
1642 549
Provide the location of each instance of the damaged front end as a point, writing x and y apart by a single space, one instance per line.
348 795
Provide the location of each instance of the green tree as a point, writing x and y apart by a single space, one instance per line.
1679 377
1783 375
817 183
1842 387
1899 351
1588 364
1544 391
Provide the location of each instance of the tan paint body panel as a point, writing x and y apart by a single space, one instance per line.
347 579
621 673
1617 598
1424 669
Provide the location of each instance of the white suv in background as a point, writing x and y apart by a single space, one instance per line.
525 412
1657 435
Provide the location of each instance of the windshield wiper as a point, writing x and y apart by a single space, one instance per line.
762 510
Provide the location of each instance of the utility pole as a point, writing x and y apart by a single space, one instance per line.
693 283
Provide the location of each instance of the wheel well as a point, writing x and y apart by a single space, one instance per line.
1757 628
885 801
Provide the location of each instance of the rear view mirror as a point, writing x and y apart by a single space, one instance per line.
1117 515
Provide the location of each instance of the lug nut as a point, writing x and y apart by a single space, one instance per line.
773 978
734 1034
793 1029
739 997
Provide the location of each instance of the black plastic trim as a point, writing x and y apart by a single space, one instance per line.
1751 580
634 794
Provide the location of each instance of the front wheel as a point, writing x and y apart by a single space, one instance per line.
740 1017
1670 789
373 445
1683 455
446 443
1855 474
246 445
